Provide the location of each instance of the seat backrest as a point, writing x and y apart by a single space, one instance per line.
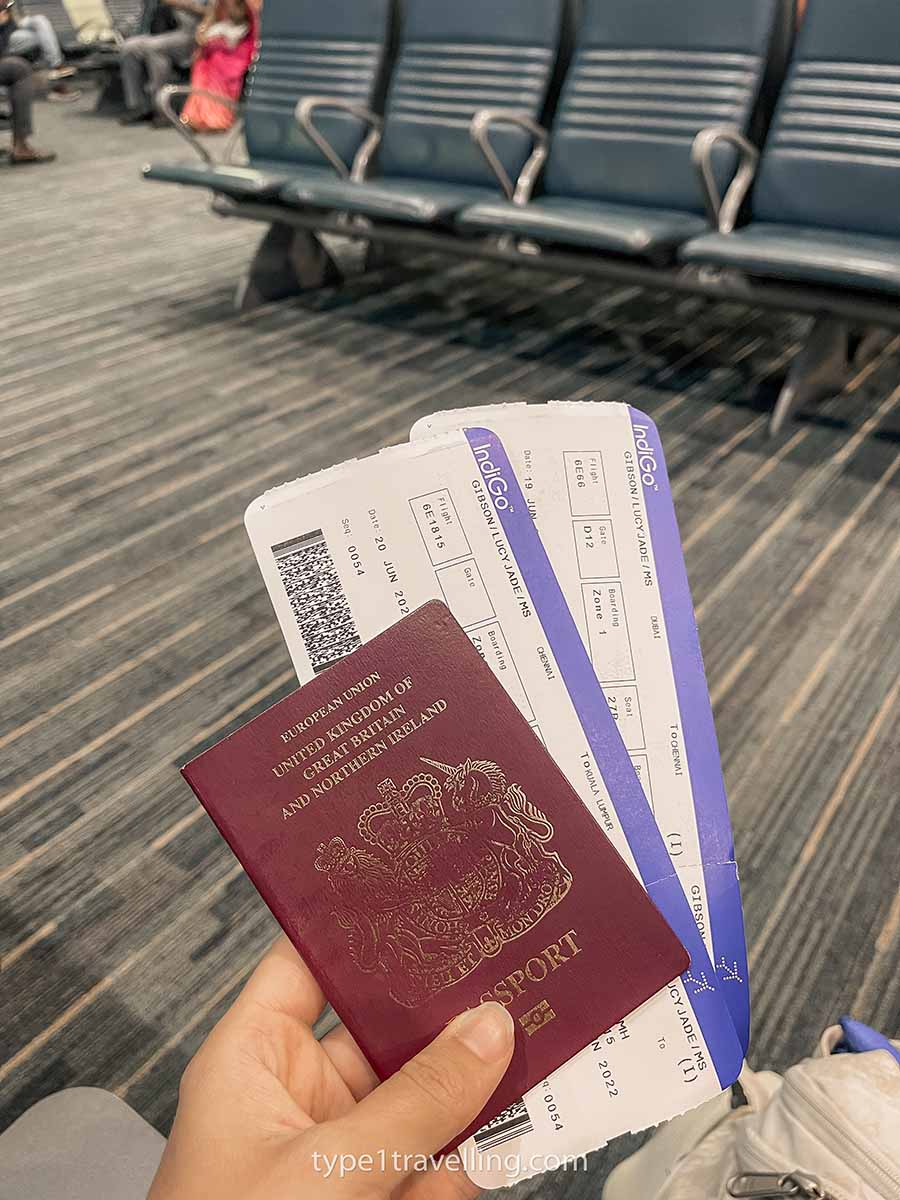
833 154
56 13
90 16
456 57
646 77
308 48
126 15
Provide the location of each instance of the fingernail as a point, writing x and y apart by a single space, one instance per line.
488 1030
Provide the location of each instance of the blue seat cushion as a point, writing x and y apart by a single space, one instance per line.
805 254
422 201
262 181
618 228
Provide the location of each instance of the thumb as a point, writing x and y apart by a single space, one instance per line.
435 1095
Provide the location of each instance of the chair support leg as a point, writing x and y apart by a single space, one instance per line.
348 255
819 370
110 97
287 261
867 344
379 255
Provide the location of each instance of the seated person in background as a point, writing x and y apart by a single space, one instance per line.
225 43
17 77
32 34
149 60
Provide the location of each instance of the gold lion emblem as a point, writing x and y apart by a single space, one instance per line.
451 872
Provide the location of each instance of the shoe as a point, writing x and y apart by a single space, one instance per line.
31 157
64 95
135 117
158 121
60 73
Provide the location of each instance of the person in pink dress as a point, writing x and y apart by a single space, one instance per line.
226 42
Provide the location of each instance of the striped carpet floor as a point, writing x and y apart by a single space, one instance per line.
139 416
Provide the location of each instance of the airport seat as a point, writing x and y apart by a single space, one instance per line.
334 49
57 14
826 197
259 181
826 201
453 60
646 77
423 201
578 222
127 16
803 253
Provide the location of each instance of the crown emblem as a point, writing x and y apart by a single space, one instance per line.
403 815
449 872
331 855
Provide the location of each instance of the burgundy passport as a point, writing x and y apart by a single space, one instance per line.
423 852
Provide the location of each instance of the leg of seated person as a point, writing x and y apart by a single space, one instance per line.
147 64
36 32
42 34
18 79
134 78
167 50
24 42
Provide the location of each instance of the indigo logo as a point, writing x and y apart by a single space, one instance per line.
647 464
493 477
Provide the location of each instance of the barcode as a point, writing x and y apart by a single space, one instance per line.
512 1122
317 600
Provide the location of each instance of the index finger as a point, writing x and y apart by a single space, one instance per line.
283 983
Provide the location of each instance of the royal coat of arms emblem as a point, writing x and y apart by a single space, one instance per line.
451 872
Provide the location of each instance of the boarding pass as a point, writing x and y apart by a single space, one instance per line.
345 554
595 481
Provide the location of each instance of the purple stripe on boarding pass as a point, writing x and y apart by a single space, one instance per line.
698 730
632 809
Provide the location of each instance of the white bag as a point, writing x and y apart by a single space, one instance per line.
829 1129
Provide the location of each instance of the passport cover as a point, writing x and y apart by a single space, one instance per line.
423 852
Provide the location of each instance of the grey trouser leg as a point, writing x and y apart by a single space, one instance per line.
18 79
36 30
131 68
148 62
81 1144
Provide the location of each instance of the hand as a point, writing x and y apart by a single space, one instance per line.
264 1108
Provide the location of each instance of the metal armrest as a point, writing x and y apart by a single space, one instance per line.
164 99
303 114
724 212
479 129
